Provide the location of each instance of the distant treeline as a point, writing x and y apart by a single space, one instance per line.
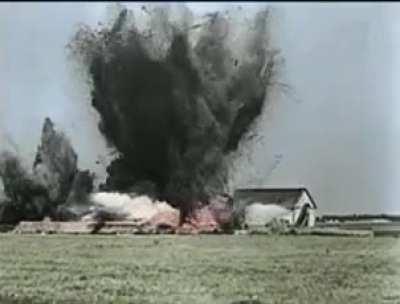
358 217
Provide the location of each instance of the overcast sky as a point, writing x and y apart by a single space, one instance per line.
336 132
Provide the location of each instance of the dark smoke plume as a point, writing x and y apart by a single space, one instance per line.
56 188
56 169
176 98
55 163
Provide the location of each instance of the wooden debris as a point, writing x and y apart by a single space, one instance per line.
80 227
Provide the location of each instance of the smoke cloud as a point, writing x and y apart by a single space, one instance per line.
24 198
176 95
55 187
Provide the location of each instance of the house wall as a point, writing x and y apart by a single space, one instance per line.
303 200
259 207
311 217
260 215
242 199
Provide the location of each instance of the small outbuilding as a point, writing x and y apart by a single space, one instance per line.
260 206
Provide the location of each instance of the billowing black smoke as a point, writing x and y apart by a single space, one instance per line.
177 98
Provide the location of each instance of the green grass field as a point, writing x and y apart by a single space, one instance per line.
198 269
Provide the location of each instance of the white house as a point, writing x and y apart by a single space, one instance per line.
259 206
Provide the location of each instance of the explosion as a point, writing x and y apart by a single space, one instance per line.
176 97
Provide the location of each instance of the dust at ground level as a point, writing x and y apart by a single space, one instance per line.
198 269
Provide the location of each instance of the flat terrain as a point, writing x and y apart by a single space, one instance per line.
198 269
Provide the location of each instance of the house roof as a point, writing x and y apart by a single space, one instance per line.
276 191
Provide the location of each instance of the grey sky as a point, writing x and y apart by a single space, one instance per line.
335 133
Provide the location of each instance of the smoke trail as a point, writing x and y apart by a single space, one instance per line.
177 97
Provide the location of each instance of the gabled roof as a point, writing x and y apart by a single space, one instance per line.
277 189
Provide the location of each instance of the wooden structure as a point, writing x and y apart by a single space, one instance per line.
85 227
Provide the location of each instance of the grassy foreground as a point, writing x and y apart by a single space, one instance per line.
198 269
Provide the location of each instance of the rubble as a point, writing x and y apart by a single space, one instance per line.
164 221
202 220
214 217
